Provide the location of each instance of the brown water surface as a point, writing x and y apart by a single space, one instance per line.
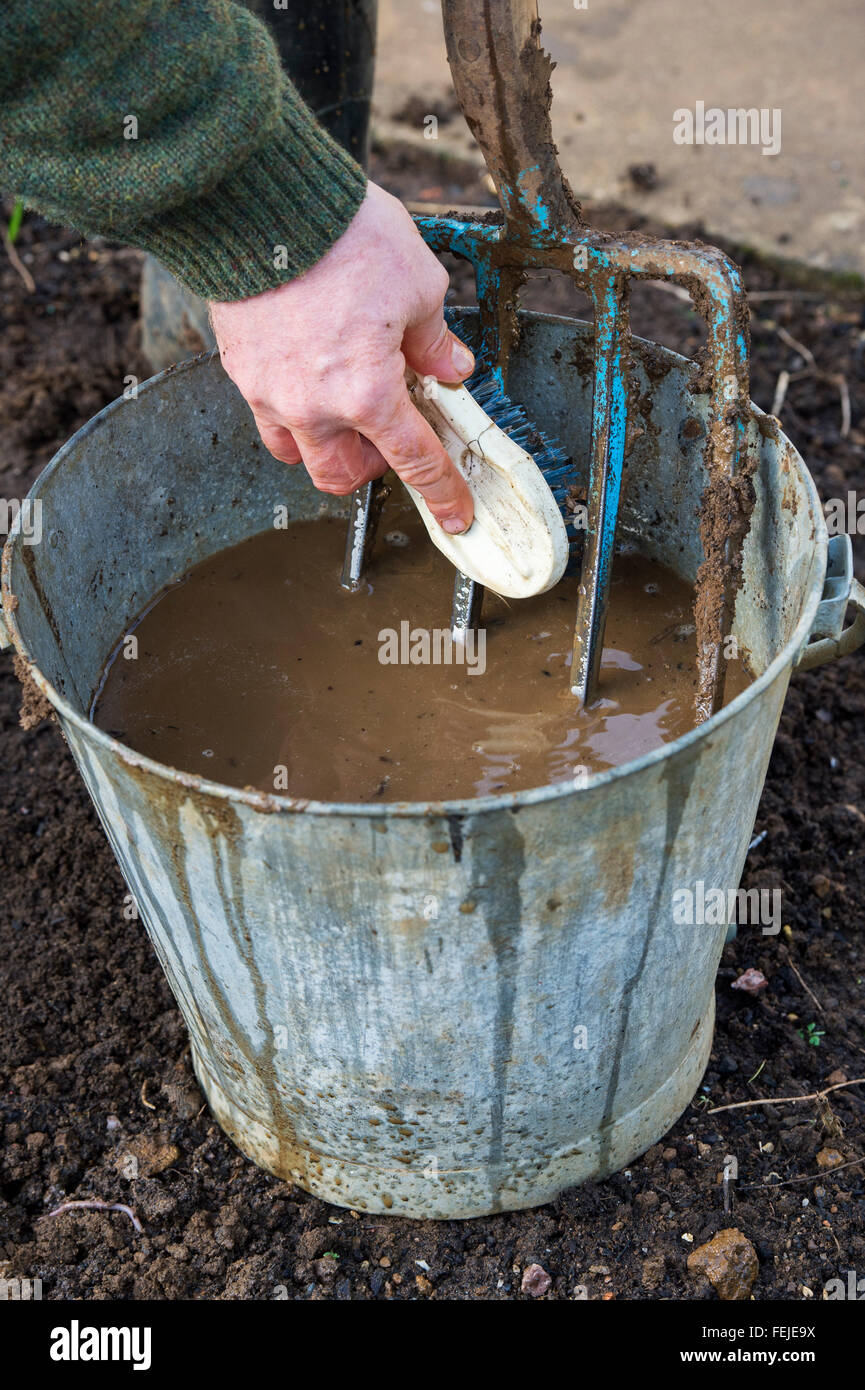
258 670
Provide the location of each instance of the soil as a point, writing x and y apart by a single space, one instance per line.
98 1097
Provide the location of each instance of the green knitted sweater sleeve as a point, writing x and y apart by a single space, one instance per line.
169 125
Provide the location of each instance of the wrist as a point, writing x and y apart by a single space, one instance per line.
269 221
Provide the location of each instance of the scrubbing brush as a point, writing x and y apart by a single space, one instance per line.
517 544
523 532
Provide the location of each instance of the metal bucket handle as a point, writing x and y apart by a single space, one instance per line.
829 637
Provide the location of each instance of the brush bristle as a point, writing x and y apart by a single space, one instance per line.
553 461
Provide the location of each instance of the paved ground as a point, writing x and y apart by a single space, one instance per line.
624 68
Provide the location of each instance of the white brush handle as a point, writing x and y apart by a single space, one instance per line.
517 544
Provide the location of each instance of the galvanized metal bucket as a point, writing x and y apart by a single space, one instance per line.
439 1009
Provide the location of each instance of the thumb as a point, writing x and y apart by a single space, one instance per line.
431 349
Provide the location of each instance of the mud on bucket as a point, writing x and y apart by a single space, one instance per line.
382 1060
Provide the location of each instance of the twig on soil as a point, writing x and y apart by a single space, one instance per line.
844 390
806 986
780 393
805 353
786 1100
144 1100
93 1204
837 379
807 1177
19 266
677 291
756 295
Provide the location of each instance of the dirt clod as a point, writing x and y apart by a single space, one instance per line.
652 1272
149 1155
34 705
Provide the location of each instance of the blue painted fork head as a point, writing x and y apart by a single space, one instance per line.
603 267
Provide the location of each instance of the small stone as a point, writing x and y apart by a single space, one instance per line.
424 1285
670 1155
384 1262
599 1269
751 981
836 1077
821 885
829 1158
729 1262
535 1281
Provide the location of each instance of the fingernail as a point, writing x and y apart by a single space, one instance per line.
462 359
454 526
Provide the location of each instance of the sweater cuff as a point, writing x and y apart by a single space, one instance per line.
269 221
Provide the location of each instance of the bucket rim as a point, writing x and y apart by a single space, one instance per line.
271 802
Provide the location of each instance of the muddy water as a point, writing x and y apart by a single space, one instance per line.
258 670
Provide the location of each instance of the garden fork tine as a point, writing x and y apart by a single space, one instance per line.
366 509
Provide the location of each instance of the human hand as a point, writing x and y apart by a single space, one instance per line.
321 361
